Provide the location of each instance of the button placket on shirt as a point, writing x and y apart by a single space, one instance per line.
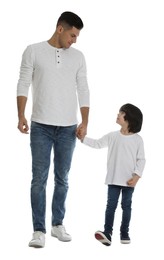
58 58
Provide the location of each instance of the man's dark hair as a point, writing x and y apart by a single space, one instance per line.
71 19
134 117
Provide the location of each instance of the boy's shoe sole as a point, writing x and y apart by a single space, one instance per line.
101 237
124 241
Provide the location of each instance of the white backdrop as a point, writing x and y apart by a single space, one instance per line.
122 41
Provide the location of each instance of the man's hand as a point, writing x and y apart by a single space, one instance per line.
23 125
81 131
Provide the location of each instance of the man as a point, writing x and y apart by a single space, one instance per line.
59 83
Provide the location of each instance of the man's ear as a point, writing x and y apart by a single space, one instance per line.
60 29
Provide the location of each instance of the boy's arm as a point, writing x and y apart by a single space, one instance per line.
96 143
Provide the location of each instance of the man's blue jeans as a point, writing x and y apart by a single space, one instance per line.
43 139
126 201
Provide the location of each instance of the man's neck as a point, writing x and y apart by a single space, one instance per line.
53 41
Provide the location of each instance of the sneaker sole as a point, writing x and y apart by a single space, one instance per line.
36 245
125 241
102 238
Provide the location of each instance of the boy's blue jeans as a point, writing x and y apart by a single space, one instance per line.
43 139
112 201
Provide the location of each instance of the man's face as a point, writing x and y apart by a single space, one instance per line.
67 37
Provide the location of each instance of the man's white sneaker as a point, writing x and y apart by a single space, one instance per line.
38 239
60 232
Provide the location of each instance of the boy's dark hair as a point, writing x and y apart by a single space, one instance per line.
71 19
134 117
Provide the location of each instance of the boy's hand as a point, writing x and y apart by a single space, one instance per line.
133 181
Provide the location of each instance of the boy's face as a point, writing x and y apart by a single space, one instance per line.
120 118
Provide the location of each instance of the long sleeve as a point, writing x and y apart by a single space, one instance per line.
140 160
82 85
96 143
26 72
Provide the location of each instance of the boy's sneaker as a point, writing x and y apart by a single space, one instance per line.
60 233
38 240
103 237
124 238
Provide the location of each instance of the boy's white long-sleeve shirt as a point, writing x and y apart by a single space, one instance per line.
59 83
125 157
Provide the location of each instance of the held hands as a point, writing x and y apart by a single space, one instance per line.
23 125
81 131
133 181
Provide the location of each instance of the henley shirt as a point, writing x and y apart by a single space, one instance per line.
59 83
125 156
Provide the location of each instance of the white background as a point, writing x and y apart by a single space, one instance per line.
123 42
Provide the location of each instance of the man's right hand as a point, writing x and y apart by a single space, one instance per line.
23 125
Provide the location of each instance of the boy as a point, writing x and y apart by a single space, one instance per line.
125 164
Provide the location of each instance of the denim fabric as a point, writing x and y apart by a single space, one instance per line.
112 201
62 140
